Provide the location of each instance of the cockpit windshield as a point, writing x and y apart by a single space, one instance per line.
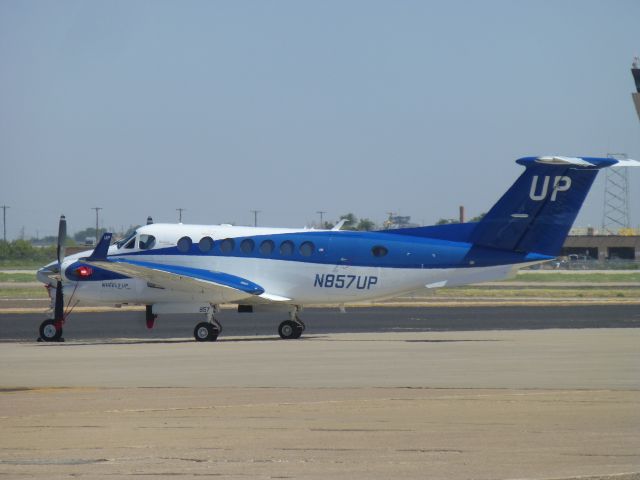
126 241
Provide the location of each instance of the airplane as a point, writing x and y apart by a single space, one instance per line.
193 269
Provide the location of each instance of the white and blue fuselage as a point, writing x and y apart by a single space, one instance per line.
292 266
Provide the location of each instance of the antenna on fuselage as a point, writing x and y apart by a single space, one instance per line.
149 220
339 225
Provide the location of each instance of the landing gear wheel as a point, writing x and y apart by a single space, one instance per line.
290 330
206 332
49 331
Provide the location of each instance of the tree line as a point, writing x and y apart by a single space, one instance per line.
25 250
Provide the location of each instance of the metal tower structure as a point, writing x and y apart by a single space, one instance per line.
615 214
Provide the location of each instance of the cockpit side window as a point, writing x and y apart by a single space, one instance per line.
146 242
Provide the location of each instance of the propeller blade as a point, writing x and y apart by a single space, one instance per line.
58 311
62 238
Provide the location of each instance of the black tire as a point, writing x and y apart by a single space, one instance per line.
205 332
299 330
290 330
49 332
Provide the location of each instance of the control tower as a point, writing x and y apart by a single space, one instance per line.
635 71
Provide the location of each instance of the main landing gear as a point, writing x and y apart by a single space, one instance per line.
208 331
292 329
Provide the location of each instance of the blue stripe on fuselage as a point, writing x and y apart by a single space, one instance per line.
354 248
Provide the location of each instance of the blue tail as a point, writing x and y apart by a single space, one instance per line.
536 213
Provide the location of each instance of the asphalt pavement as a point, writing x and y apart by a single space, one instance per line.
95 326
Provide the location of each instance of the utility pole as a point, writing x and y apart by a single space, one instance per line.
97 209
180 210
321 213
255 217
4 221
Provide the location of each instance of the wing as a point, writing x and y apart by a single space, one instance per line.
222 286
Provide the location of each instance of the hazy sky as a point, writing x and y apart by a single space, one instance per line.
291 107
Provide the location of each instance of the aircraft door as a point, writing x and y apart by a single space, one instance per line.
342 251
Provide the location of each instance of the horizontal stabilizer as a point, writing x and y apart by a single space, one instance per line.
627 163
584 162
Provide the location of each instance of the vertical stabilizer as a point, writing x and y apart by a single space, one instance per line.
536 213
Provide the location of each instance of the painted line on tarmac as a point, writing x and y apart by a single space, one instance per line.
452 304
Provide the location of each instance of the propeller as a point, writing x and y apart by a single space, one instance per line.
59 303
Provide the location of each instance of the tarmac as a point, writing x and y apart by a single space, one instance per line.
503 404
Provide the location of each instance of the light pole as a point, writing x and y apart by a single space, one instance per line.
321 213
4 222
180 210
97 209
255 217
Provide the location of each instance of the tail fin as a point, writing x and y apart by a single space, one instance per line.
536 213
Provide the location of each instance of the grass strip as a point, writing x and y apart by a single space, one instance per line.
17 277
17 293
576 277
477 292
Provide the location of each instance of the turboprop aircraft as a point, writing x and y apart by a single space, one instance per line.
183 269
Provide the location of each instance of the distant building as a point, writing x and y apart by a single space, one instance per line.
603 247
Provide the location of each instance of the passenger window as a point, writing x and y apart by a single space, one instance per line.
379 251
205 244
227 245
267 247
247 246
184 244
286 248
146 242
307 249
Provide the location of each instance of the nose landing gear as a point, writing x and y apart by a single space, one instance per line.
51 331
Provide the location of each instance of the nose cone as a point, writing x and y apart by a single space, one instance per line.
48 273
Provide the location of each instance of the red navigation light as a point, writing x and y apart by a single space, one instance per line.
84 271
